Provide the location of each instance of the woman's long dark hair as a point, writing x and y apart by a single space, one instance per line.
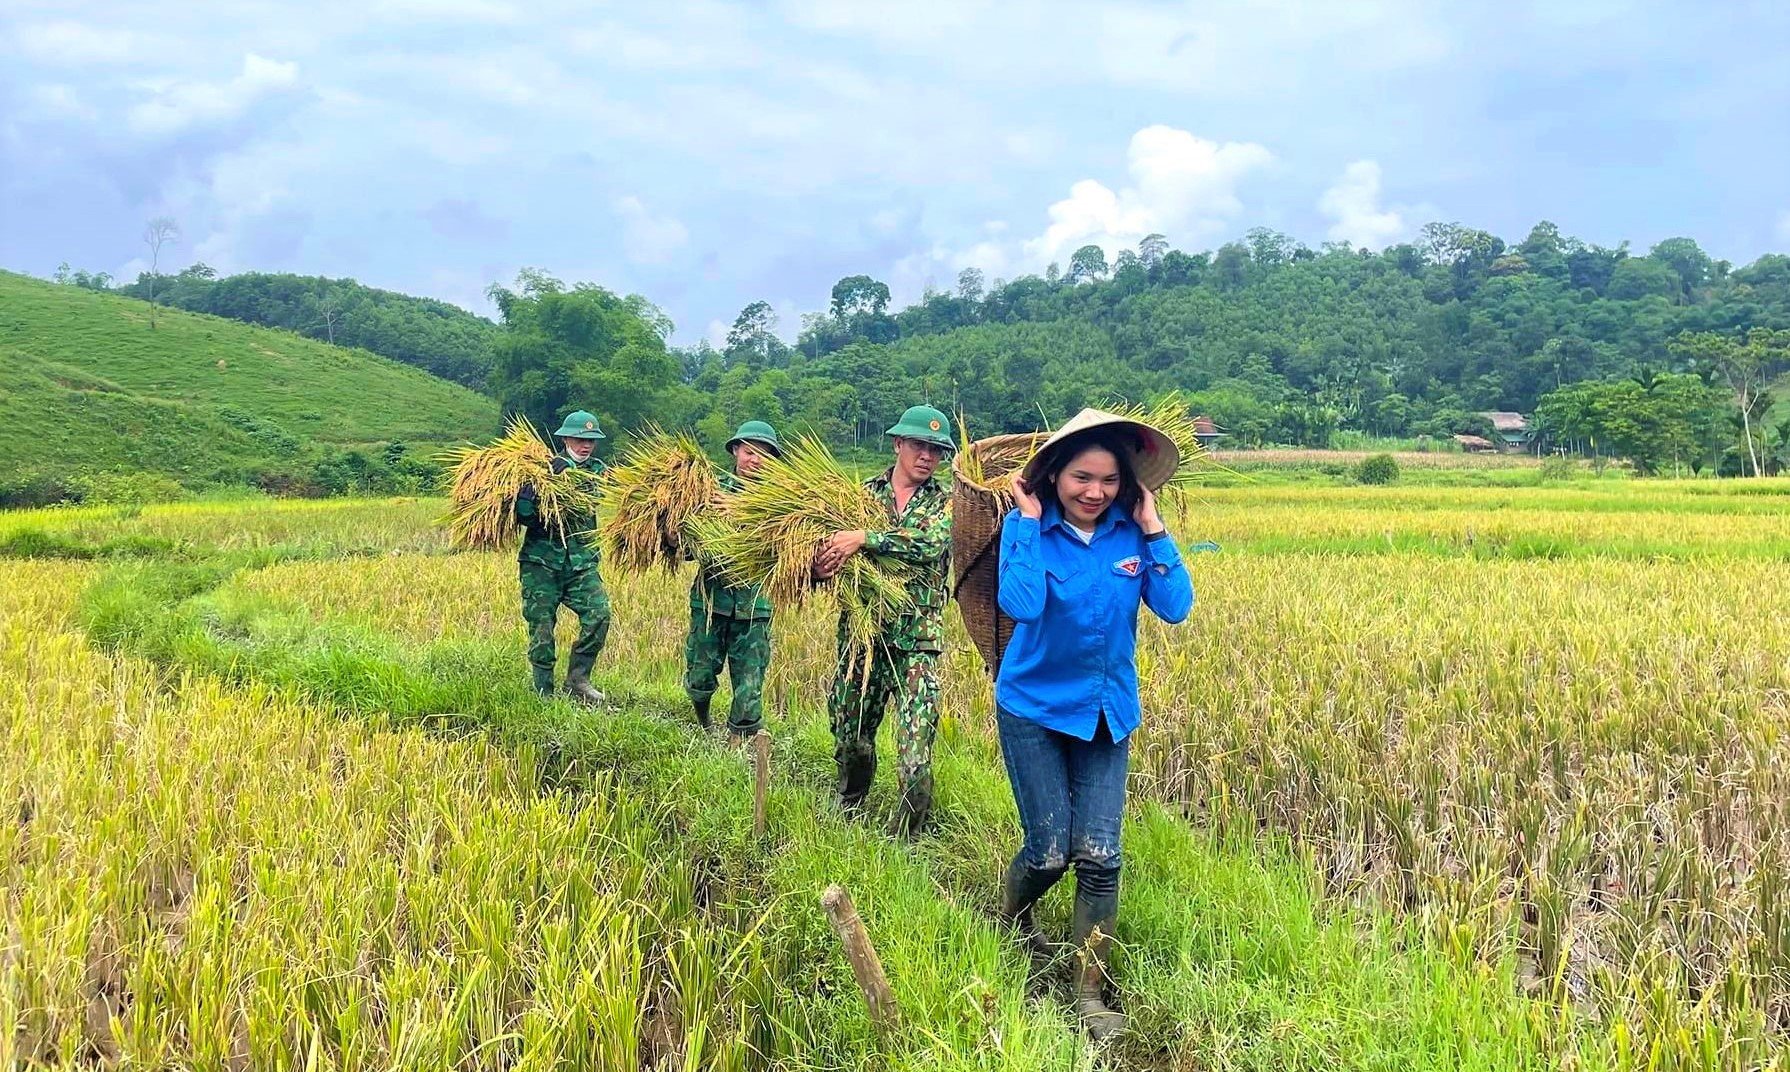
1107 439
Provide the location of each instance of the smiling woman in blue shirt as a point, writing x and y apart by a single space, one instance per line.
1084 548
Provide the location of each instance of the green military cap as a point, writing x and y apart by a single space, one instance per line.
927 425
757 433
580 425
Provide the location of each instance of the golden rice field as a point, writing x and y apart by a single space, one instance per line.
189 888
1547 726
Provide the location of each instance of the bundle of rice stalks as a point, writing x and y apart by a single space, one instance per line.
1170 416
485 481
768 532
991 464
661 483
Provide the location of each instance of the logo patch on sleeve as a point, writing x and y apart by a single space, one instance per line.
1128 566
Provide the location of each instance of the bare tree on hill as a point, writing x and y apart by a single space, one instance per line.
156 234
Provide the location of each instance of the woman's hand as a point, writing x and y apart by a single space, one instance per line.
1026 499
1144 513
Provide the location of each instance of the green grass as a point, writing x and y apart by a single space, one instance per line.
89 384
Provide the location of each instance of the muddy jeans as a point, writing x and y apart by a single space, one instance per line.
1071 797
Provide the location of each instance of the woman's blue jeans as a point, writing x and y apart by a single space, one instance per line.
1071 797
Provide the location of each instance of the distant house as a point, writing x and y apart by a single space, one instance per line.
1473 444
1206 431
1511 429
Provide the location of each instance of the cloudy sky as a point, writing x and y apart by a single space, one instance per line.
708 155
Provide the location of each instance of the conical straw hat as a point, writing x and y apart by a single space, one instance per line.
1154 456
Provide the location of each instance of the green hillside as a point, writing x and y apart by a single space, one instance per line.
432 335
89 386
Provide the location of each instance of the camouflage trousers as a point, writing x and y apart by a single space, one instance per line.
744 645
544 591
859 698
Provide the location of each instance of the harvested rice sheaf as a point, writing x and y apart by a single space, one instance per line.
485 481
767 533
1170 416
662 482
992 463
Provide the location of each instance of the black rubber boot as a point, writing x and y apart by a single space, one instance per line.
913 809
855 773
543 680
578 685
1022 890
1095 917
702 711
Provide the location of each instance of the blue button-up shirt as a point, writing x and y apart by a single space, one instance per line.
1074 649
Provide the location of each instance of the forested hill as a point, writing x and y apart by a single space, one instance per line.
107 397
1279 342
435 336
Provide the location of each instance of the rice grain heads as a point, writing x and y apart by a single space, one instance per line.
485 481
767 533
662 481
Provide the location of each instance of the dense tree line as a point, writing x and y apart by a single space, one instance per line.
435 336
1278 342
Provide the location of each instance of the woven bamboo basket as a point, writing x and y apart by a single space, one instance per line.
981 477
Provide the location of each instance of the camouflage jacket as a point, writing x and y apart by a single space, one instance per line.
575 550
920 537
711 593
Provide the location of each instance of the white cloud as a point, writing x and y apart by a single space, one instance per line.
1353 205
70 43
938 267
456 144
648 238
1182 186
886 221
59 102
413 11
706 37
178 105
1248 48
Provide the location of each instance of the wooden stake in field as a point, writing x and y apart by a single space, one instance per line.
761 773
865 965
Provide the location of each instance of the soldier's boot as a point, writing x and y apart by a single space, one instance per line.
702 711
1021 892
913 809
856 770
543 680
578 685
1095 918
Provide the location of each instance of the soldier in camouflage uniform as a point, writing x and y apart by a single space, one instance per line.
562 568
903 658
728 624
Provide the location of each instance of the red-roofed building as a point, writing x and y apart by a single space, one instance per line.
1206 431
